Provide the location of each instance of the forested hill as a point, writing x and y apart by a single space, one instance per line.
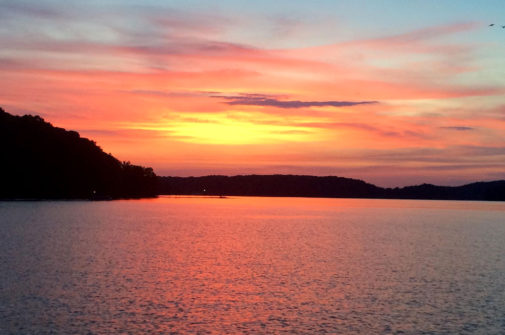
41 161
327 187
491 190
270 185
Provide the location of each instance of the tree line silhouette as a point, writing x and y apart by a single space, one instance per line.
323 187
269 185
42 161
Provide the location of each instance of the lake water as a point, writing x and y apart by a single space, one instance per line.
252 266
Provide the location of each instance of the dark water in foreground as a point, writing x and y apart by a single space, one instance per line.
252 266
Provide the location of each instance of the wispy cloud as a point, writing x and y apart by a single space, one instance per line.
259 100
424 34
168 94
11 8
458 128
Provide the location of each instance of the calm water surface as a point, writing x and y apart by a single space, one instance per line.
252 266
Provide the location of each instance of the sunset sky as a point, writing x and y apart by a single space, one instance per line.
391 92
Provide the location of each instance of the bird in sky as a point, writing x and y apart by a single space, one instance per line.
492 24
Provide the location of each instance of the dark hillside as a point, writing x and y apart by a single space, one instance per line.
492 191
270 185
42 161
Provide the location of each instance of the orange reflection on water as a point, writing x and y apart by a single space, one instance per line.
250 265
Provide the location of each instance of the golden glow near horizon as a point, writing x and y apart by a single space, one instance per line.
225 130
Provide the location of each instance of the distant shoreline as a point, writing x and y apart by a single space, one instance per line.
189 196
71 199
306 186
172 196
